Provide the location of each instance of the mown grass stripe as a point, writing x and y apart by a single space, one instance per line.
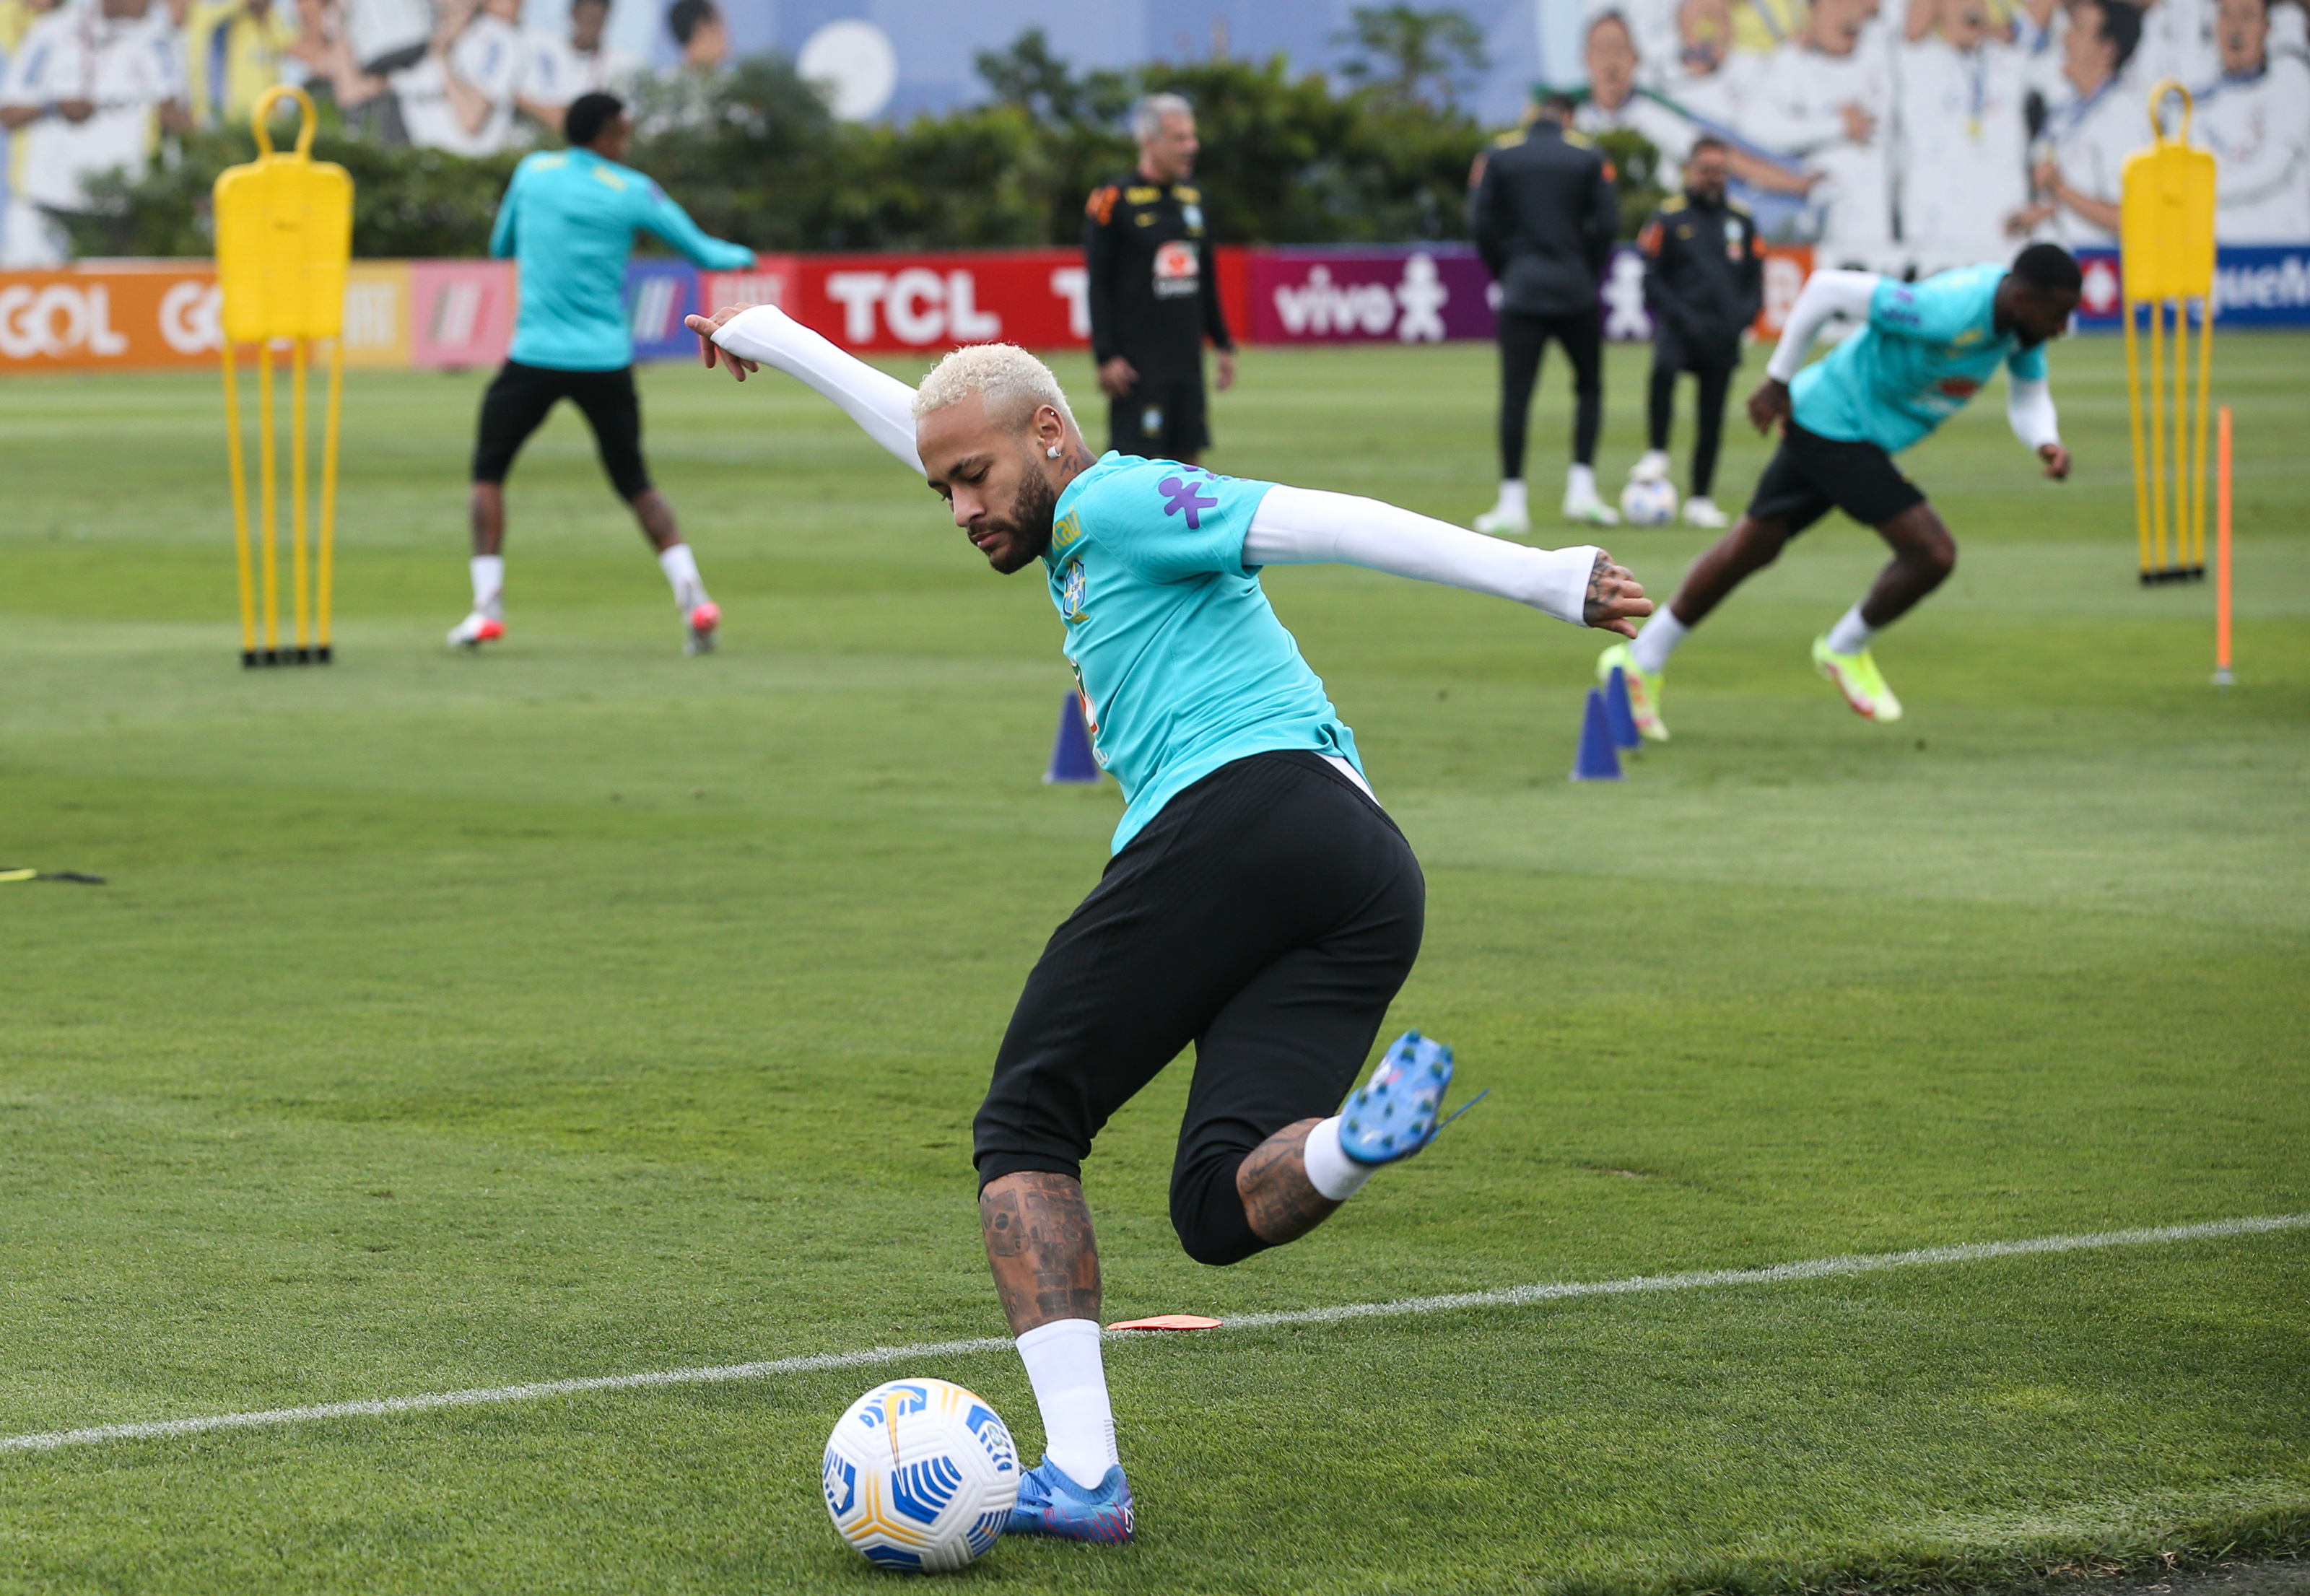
1812 1269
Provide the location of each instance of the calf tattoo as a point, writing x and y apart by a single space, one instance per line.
1040 1247
1278 1199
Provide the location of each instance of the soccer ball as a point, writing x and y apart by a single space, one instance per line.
920 1475
1648 501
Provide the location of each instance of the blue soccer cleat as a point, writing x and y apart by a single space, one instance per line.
1050 1503
1393 1116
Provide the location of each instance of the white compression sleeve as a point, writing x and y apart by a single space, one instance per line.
1827 294
1308 526
878 401
2029 410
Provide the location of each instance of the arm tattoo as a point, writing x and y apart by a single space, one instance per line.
1592 610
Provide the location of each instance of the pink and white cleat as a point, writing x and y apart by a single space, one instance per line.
475 630
701 621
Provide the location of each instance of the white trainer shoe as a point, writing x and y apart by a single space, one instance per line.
1499 522
1702 512
475 630
1651 468
1590 511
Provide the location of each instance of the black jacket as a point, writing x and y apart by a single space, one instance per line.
1152 290
1543 216
1704 270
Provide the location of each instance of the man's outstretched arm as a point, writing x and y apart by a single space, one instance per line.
1308 526
1825 296
747 339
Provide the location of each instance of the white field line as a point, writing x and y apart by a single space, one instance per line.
1510 1297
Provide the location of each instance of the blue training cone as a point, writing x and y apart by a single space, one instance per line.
1618 712
1071 761
1597 760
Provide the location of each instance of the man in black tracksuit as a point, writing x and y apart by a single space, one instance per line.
1543 213
1153 293
1703 284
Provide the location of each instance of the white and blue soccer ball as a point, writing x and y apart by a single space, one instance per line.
920 1475
1648 501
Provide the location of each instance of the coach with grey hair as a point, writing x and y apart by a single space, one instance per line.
1153 294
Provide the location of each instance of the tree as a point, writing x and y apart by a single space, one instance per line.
1410 54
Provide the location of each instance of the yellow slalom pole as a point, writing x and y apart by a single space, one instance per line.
239 509
298 574
266 451
2157 435
2182 432
2198 466
328 549
2134 417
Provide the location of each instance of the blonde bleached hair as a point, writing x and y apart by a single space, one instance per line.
1013 383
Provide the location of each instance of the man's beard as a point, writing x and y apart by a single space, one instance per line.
1029 522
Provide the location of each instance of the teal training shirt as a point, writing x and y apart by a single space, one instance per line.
1928 348
568 217
1182 666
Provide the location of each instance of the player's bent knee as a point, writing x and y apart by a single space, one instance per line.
1207 1212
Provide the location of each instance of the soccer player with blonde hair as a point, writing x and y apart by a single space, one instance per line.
1260 904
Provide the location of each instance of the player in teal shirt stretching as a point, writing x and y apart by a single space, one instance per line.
568 218
1923 349
1260 904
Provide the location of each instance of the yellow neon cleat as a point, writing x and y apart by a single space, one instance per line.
1644 689
1856 676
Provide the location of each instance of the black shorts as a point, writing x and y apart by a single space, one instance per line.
1163 419
516 406
1810 475
1268 914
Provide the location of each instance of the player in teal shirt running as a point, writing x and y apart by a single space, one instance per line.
1923 349
568 219
1260 907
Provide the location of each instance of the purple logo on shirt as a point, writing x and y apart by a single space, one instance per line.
1186 497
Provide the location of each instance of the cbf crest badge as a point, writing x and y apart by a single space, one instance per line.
1071 590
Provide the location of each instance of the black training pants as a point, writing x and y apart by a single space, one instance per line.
1267 913
1523 337
1714 364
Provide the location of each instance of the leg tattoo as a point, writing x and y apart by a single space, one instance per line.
1040 1246
1277 1196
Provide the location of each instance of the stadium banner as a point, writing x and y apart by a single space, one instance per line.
456 315
121 314
1415 294
2255 285
460 313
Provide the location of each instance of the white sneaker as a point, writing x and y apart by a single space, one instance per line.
1499 522
1651 468
1590 511
1702 512
475 630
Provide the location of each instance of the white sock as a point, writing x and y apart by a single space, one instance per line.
1062 1365
1580 484
489 585
681 568
1660 636
1511 497
1329 1169
1852 634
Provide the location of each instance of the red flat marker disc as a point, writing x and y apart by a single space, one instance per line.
1168 1322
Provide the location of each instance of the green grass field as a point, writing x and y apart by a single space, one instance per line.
588 1009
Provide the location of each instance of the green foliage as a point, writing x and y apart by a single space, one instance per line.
1410 54
1637 173
757 158
407 201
